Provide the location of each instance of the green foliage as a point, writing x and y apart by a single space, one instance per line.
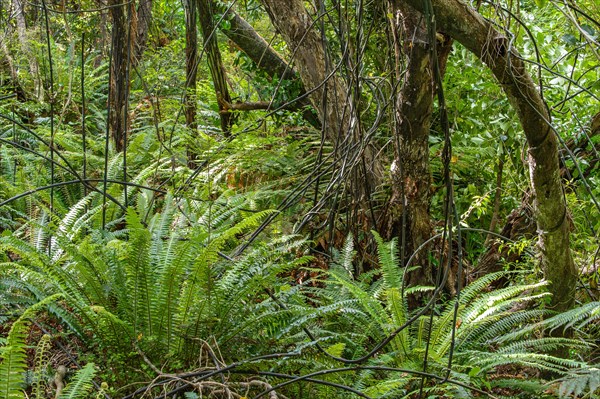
584 382
81 384
41 366
162 288
484 329
13 357
146 275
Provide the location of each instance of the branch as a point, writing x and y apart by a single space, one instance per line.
257 48
251 106
266 58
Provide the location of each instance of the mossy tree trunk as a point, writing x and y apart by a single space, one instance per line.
464 24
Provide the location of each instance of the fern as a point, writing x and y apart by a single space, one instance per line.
137 268
40 366
13 357
582 382
160 286
388 261
484 336
81 384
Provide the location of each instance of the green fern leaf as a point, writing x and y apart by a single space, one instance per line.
81 384
580 383
41 363
13 357
139 273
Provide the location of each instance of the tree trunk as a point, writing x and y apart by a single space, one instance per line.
215 64
191 64
409 217
291 19
34 69
464 24
9 63
497 197
128 40
144 19
250 42
103 37
520 222
358 166
119 72
411 179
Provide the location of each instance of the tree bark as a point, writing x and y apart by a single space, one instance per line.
103 37
411 179
9 63
256 48
409 216
144 19
34 69
520 222
215 63
337 109
119 72
191 64
464 24
129 36
291 19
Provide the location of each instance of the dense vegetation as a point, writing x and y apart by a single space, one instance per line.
301 199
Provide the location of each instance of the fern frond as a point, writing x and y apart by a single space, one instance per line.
578 317
347 255
139 273
40 366
498 300
543 345
13 357
81 384
388 261
399 314
502 323
488 361
584 382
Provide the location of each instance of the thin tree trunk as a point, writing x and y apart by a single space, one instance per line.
144 19
464 24
10 64
103 37
119 72
215 63
191 63
128 39
497 198
34 68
